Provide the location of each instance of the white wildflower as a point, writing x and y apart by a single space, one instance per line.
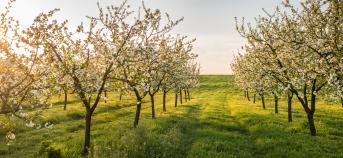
38 126
30 124
48 125
10 136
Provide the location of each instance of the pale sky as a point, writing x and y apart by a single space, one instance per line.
211 22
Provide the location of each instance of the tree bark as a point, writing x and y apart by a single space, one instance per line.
254 98
120 96
248 95
189 96
263 102
175 98
185 95
276 100
311 124
290 96
310 110
88 119
105 93
152 106
65 99
180 96
138 112
311 113
164 100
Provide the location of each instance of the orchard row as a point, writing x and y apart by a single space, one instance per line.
294 52
120 50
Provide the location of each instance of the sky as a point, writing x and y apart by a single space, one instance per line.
211 22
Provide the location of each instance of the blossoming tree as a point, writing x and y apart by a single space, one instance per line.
289 48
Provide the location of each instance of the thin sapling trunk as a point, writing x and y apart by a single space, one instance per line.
185 95
263 102
180 96
289 104
164 100
65 98
152 98
176 98
276 102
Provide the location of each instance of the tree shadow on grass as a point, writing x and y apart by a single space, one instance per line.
216 136
275 137
69 102
111 108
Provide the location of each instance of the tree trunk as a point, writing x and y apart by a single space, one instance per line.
263 103
138 112
254 98
276 100
248 95
175 98
185 95
164 101
290 96
120 96
65 99
245 93
105 93
180 96
311 124
189 96
342 101
87 132
152 106
311 113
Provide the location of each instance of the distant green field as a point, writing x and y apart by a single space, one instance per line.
217 122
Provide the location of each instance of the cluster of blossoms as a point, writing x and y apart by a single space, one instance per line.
294 51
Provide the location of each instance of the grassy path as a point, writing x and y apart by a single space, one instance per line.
217 123
217 133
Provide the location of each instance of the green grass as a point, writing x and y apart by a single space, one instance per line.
217 122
